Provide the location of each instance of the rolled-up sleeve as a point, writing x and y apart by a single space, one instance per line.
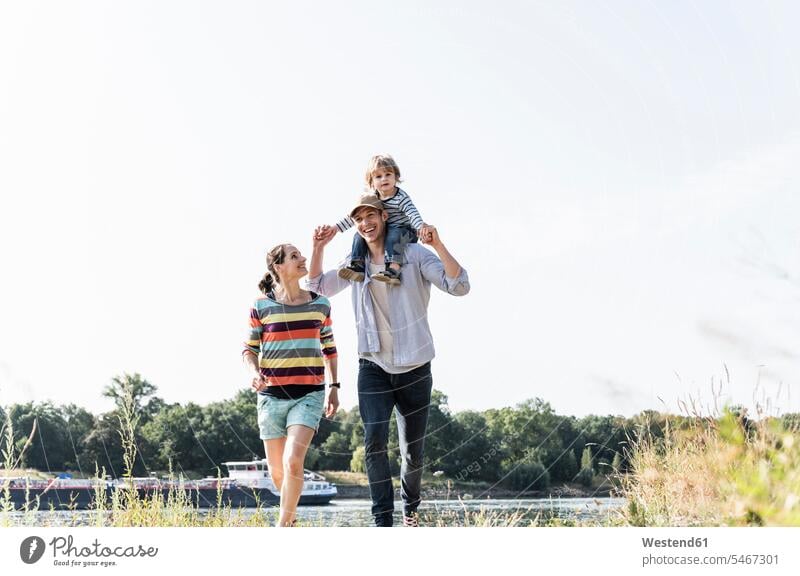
327 283
432 270
253 342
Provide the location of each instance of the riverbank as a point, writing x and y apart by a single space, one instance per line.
352 485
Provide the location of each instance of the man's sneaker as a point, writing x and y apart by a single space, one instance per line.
383 520
411 520
354 273
390 276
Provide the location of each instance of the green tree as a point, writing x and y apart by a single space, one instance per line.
570 468
50 447
132 384
358 461
474 456
335 453
102 447
586 474
79 425
440 434
527 475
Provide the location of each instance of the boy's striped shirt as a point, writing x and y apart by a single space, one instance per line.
401 211
291 341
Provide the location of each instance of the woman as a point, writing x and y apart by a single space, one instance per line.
289 347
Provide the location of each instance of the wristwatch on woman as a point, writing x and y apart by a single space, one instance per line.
334 385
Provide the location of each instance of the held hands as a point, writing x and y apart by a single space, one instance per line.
424 233
432 236
331 402
323 234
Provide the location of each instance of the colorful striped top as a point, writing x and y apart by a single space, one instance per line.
290 342
401 211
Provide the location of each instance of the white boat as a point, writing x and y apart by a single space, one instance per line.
255 476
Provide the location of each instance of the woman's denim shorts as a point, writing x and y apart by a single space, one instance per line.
275 415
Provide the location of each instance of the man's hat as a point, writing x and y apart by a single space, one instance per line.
367 201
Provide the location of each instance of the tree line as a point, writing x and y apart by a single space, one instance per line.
527 446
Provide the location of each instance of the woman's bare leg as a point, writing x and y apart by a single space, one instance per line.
294 457
274 451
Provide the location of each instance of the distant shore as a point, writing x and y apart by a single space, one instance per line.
353 486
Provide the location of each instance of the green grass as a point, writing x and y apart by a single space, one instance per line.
716 473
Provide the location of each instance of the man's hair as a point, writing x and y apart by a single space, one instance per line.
381 161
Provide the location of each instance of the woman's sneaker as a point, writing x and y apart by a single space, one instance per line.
354 272
390 276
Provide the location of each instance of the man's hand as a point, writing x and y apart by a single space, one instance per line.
424 233
433 239
332 402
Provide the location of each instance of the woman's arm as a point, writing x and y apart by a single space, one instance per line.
329 356
251 350
329 283
332 397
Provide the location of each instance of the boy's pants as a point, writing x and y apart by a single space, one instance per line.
397 237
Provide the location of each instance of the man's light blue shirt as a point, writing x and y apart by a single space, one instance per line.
408 305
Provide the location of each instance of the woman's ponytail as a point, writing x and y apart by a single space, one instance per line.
266 284
270 279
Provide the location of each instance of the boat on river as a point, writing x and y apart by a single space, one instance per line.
248 485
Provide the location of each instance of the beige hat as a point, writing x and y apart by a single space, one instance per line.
367 201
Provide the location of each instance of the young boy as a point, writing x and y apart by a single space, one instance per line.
405 224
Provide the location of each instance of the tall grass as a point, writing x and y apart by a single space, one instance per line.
727 471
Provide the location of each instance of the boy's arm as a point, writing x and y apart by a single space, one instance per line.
406 205
344 224
443 272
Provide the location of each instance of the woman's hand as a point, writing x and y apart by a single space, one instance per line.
323 234
332 402
259 383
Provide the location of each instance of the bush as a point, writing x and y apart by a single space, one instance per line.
527 476
358 461
585 477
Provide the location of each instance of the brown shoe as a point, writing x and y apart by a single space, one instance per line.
353 273
389 276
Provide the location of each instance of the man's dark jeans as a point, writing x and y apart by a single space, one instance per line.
378 394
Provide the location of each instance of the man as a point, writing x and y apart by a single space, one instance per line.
395 349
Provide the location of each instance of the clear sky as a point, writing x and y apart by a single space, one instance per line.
620 179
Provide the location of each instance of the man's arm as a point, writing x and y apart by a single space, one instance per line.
443 272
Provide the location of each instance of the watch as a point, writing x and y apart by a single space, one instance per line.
334 385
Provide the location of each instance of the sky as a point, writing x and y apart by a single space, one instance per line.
619 179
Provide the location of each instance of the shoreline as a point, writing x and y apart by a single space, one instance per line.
438 492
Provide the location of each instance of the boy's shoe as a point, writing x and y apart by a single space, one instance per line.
390 276
354 273
411 520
